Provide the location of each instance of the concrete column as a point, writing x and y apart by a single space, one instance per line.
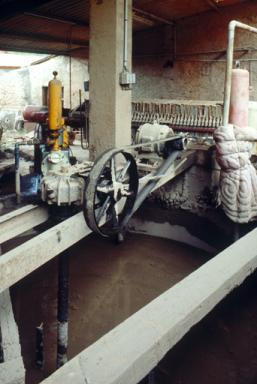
110 105
12 369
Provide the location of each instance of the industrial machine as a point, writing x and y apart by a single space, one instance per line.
112 188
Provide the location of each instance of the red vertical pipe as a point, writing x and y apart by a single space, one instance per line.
238 114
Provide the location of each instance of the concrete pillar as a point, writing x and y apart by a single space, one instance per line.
110 105
12 369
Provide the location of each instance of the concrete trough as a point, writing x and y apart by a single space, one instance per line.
132 349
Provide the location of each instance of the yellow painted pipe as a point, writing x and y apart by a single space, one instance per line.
55 120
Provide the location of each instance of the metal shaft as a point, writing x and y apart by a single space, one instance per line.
17 173
1 348
1 339
39 346
62 309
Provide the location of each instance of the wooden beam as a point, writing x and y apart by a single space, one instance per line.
132 349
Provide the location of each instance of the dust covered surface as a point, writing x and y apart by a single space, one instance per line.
108 283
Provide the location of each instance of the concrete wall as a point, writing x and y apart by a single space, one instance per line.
192 75
24 86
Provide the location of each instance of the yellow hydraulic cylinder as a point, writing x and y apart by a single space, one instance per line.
55 120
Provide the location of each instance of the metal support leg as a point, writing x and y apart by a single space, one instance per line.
17 173
1 348
62 310
1 339
39 346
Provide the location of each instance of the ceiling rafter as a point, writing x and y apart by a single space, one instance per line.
14 7
41 38
43 50
150 16
214 5
53 18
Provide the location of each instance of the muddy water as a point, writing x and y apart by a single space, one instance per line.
108 283
221 349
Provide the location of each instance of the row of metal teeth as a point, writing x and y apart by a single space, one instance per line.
178 114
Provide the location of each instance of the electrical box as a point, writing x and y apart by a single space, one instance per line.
127 79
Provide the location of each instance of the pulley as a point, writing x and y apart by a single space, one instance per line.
110 192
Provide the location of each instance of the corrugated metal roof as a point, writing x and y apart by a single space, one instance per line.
77 10
61 26
177 9
57 26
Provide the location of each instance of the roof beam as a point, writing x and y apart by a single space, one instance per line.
214 5
37 38
143 20
150 16
14 7
40 50
49 17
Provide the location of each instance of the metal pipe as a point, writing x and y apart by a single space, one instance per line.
17 173
82 132
125 36
70 82
192 129
1 348
62 309
230 52
39 346
1 339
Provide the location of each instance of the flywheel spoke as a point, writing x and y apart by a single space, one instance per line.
110 192
103 209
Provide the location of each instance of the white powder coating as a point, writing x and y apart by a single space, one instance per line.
238 178
12 369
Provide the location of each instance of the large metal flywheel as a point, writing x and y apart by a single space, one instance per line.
110 192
